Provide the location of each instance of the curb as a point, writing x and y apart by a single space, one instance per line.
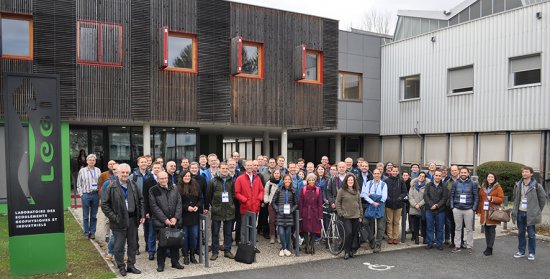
538 236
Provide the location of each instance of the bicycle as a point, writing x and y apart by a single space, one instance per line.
334 234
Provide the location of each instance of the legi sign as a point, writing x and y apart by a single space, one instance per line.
33 135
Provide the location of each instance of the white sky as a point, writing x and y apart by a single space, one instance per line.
351 12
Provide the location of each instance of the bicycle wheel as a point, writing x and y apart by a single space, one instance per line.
336 237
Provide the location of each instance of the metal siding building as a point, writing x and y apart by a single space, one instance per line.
496 121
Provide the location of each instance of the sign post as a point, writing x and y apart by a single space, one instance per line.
33 168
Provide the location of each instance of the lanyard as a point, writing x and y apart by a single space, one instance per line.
124 191
224 185
286 196
92 173
375 187
462 187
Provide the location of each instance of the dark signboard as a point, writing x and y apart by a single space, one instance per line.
33 154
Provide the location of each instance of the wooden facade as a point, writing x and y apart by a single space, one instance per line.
138 90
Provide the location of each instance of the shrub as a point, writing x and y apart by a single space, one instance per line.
508 173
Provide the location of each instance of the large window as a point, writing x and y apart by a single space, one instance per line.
525 70
17 37
349 86
461 80
99 43
182 52
410 87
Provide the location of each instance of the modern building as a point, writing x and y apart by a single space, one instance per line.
468 85
173 78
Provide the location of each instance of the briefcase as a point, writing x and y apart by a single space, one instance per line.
170 237
245 253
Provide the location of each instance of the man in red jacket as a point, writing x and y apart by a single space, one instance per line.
250 192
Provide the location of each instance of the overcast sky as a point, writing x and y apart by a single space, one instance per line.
351 12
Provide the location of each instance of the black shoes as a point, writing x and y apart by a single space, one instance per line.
192 257
178 266
160 268
133 269
122 271
346 256
92 236
416 241
151 257
429 247
440 248
488 251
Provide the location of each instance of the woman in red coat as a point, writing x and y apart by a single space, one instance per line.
311 211
490 193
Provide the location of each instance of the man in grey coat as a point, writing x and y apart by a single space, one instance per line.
122 203
529 201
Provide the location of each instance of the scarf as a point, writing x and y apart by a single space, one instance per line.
418 186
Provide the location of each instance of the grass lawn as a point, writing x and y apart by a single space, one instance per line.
83 260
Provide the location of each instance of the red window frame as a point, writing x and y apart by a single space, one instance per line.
100 61
261 60
166 33
28 18
320 63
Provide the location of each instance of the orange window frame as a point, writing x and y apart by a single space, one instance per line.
195 62
319 79
260 47
99 44
31 37
343 93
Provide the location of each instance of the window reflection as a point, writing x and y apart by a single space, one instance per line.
16 37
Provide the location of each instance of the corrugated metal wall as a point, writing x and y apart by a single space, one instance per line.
488 44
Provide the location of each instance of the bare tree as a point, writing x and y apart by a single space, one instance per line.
378 22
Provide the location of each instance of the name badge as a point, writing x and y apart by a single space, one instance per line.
462 198
225 197
524 203
94 186
286 209
486 205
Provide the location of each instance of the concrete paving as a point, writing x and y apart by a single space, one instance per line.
267 258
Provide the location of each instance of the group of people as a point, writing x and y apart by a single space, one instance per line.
156 195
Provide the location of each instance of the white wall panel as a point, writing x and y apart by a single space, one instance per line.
412 150
436 148
390 149
526 149
492 147
462 150
487 44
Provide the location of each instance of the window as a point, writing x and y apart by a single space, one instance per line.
410 87
17 37
461 80
349 86
181 51
313 66
525 70
99 43
252 59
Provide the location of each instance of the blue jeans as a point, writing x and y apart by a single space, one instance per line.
190 236
284 236
522 227
227 238
90 205
111 244
439 220
151 240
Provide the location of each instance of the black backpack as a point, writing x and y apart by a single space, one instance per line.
245 253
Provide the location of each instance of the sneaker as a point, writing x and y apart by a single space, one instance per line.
531 257
108 257
92 235
430 246
455 250
287 253
214 256
281 253
228 254
519 255
470 251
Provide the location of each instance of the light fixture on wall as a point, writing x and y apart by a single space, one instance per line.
538 15
433 39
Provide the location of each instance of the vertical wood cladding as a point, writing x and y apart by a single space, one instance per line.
54 24
173 93
213 87
16 6
330 73
140 59
277 100
103 92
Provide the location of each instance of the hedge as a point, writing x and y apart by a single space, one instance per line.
508 173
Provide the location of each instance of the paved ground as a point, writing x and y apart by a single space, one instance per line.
267 258
417 263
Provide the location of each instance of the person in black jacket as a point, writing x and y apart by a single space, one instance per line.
284 204
435 200
165 203
148 229
397 191
122 203
191 202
